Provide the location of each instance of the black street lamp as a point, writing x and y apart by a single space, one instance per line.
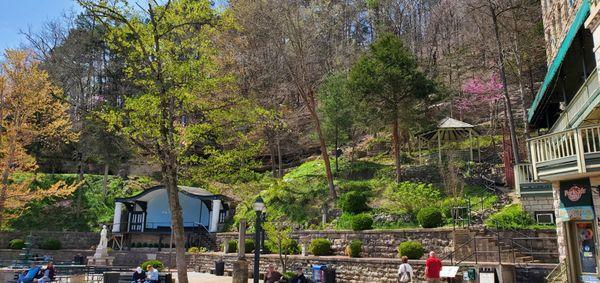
259 208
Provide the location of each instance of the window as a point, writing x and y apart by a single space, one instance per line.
544 218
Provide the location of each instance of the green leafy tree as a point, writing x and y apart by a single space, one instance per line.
336 107
279 231
389 79
185 103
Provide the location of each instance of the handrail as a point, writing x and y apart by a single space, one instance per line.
564 116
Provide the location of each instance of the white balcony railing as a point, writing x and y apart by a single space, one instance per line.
578 104
571 151
526 183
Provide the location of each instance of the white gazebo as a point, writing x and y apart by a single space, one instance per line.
451 130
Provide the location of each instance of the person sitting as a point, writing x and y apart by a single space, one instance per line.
152 275
30 274
138 276
299 277
49 273
272 275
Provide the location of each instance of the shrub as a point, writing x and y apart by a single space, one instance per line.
320 246
291 248
353 202
449 203
51 244
510 217
408 196
249 246
361 222
232 246
155 263
411 249
193 250
16 244
354 248
430 217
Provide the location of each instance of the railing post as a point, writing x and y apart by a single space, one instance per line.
533 155
579 150
498 244
517 176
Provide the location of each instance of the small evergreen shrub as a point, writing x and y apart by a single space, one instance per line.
193 250
361 222
411 249
354 248
51 244
320 246
510 217
249 246
16 244
353 202
430 217
155 263
232 246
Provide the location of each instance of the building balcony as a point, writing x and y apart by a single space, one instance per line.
527 184
580 105
567 153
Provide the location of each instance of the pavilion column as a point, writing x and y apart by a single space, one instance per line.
117 218
214 215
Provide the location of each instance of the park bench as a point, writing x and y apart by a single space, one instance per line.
226 271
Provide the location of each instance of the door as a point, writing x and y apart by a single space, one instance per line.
136 223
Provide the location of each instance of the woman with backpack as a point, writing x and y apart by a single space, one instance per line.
405 271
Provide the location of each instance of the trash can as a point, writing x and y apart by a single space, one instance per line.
111 277
318 273
219 268
329 274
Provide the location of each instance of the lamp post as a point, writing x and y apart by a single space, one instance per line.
259 208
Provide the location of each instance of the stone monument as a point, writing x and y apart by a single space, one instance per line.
100 257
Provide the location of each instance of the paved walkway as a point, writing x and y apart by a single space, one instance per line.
196 277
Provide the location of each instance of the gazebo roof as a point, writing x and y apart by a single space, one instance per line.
451 123
449 129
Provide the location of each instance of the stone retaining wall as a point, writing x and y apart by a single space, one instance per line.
68 240
376 243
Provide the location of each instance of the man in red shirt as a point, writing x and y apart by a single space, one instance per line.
432 268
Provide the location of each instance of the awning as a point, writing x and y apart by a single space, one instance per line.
553 69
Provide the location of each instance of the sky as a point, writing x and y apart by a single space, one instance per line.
17 15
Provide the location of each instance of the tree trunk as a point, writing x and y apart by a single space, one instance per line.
509 112
336 149
79 201
279 159
105 181
272 153
170 180
313 112
396 148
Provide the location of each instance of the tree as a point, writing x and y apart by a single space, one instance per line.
278 230
29 112
387 77
336 107
185 100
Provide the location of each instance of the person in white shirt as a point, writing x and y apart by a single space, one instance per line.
405 271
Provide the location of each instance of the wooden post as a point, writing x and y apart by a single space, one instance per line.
471 144
242 240
439 146
240 267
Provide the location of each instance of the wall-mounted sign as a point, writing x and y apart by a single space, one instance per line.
576 200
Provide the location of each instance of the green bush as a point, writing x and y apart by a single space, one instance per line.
193 250
408 196
291 248
249 246
411 249
16 244
320 246
362 221
510 217
354 248
51 244
353 202
449 203
155 263
232 246
430 217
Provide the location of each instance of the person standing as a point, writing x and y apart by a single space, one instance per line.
433 266
272 275
405 271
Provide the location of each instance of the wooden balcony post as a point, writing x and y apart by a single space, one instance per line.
533 152
579 151
517 179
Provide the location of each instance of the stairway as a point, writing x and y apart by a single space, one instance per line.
481 245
